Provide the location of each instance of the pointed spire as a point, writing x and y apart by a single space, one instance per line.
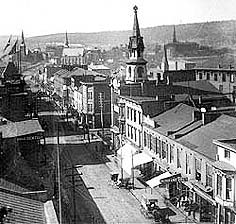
165 60
136 30
174 36
22 38
22 45
66 41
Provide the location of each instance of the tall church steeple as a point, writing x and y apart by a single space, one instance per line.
174 36
136 70
66 41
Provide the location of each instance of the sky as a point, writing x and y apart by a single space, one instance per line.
41 17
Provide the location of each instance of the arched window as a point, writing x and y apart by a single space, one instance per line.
129 71
140 71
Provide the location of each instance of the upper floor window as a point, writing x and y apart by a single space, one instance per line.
139 117
209 177
223 77
178 158
221 88
127 112
227 154
215 76
171 154
208 76
200 75
145 139
134 115
90 95
228 188
219 185
198 169
164 150
90 107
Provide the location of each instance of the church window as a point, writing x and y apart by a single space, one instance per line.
140 72
129 71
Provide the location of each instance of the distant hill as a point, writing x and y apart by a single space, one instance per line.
216 34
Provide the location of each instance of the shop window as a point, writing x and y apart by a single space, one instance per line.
198 169
219 185
209 177
228 188
227 154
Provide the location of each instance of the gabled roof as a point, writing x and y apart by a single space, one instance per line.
24 210
175 119
73 52
21 128
201 139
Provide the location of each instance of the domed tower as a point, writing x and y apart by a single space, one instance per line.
136 70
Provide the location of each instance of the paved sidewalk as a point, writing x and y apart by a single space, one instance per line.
140 189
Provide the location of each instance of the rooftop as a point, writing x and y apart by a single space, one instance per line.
200 140
175 119
21 128
73 52
227 143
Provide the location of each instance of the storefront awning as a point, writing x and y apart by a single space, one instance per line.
141 158
129 158
157 180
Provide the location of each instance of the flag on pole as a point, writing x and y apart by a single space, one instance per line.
8 44
14 48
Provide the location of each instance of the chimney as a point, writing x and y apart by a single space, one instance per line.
219 66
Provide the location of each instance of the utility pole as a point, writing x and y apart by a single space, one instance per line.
101 101
59 175
73 174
